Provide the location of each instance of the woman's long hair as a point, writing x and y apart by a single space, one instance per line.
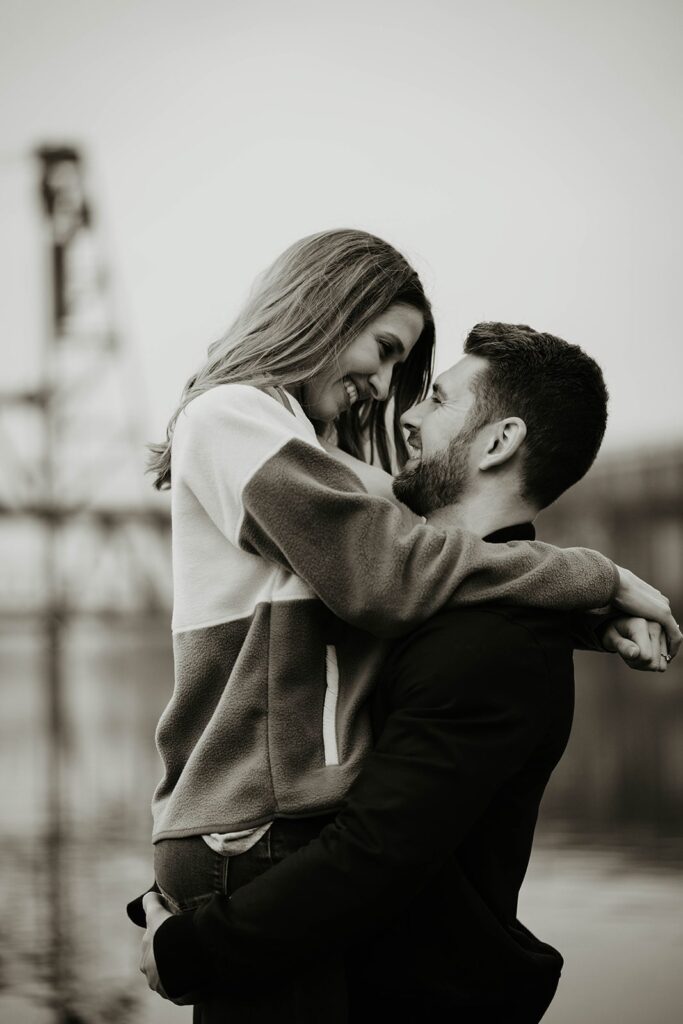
312 302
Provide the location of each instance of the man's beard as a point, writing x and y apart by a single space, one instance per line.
438 480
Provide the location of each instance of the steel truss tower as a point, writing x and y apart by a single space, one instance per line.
72 492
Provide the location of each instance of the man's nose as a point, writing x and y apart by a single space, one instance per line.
380 383
412 418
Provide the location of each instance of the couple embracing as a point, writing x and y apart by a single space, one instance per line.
373 674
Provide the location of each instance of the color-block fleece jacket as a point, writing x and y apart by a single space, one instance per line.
287 577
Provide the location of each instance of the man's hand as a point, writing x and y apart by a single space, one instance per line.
156 913
641 644
637 598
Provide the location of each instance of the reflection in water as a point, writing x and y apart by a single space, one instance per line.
617 921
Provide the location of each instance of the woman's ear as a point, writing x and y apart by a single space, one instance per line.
503 442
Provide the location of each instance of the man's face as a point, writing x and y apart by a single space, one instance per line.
441 445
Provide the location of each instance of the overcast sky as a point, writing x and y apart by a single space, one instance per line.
527 156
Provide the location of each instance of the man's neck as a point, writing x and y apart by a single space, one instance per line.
484 513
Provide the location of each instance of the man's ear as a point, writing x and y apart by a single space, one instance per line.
503 441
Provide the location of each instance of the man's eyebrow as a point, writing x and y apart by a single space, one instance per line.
395 341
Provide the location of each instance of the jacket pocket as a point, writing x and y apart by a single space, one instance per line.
330 748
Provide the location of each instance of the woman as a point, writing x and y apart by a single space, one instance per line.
286 571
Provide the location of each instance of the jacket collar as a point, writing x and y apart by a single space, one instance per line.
521 531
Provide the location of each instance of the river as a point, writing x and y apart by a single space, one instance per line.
617 919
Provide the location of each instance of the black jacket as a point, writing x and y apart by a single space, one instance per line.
419 874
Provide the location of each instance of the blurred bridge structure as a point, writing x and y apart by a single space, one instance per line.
85 550
71 459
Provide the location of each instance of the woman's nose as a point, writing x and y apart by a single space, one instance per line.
380 383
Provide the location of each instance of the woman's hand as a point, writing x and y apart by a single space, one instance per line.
641 644
637 598
156 913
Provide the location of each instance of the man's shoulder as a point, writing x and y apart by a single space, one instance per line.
523 650
500 624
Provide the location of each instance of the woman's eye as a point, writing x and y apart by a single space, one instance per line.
385 349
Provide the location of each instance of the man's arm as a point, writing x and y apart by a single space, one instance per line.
461 725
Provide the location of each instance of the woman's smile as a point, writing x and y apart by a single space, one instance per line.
364 368
351 390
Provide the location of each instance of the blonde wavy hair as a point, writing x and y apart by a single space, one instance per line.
303 311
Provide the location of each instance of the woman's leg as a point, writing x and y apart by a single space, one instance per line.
189 872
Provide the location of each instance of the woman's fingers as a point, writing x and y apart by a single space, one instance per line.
637 630
637 598
656 637
673 635
641 644
627 650
630 639
664 656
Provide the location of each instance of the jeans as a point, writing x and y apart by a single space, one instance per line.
188 873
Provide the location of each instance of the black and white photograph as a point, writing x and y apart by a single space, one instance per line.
341 512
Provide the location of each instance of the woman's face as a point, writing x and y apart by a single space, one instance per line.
363 370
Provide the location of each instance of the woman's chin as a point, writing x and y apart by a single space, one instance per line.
323 409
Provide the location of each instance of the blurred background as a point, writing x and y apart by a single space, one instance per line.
154 156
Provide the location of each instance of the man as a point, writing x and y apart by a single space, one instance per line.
419 875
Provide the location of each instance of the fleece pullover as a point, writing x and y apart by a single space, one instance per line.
288 576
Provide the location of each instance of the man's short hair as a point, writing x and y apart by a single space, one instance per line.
557 390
